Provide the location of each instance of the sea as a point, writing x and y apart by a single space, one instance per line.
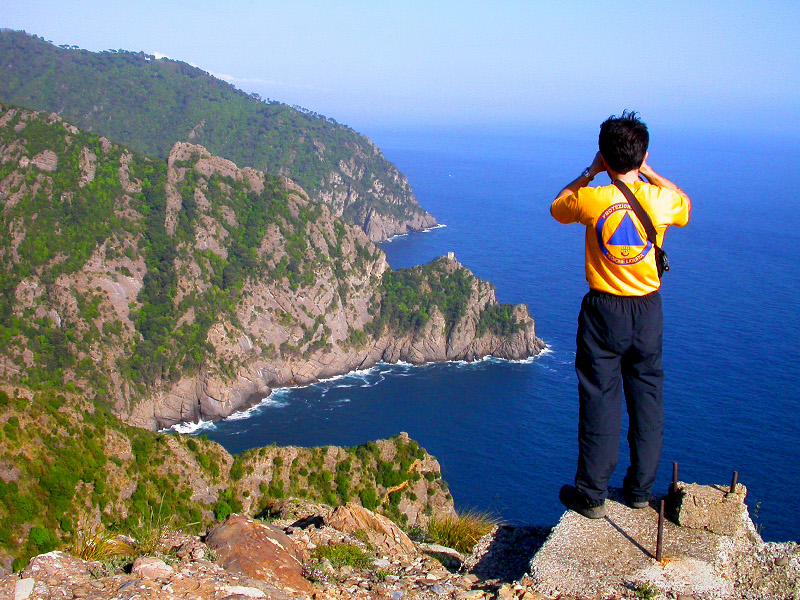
505 433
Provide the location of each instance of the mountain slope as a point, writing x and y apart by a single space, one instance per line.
189 288
150 104
67 466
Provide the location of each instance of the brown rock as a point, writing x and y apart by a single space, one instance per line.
382 533
258 550
59 568
714 509
148 567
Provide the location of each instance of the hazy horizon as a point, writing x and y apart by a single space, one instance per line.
703 65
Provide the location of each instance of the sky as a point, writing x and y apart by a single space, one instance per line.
732 65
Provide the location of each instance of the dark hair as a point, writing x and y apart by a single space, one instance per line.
623 142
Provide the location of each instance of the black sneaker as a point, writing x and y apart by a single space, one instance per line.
637 502
575 500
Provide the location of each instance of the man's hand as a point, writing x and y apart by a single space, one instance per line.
598 166
656 179
646 169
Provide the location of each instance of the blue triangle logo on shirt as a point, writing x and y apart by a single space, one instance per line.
626 234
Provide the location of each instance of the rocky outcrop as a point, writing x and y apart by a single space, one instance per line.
613 556
273 315
408 574
258 550
378 531
581 558
380 227
381 206
294 304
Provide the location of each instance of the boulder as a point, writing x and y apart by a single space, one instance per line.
149 567
60 568
259 551
715 509
380 532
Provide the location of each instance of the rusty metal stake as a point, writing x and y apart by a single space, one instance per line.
660 537
674 487
734 482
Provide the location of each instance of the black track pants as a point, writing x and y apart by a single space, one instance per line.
619 347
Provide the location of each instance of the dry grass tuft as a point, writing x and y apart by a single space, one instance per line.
93 543
462 531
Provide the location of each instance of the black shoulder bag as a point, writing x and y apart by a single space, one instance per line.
662 262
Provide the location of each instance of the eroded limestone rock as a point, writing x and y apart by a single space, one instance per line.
258 550
379 531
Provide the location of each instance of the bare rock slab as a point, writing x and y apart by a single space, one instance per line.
258 550
382 533
609 557
59 568
149 567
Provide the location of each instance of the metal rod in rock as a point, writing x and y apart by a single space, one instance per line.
734 481
674 487
660 537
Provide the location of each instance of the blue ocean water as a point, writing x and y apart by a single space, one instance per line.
505 433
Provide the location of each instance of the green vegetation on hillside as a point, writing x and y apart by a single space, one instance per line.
55 220
68 466
59 459
408 297
150 104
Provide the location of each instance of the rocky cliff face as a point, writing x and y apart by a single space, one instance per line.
205 397
187 290
378 200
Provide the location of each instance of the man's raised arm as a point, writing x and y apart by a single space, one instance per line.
598 166
656 179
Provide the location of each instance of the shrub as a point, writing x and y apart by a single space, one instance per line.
43 539
344 554
237 469
221 510
369 498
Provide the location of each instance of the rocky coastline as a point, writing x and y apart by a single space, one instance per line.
206 399
171 278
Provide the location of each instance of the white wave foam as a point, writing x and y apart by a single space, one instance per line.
524 361
355 374
401 235
190 427
242 414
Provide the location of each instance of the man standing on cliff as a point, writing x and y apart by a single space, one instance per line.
621 322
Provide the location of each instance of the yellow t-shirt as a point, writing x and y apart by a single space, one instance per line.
619 258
